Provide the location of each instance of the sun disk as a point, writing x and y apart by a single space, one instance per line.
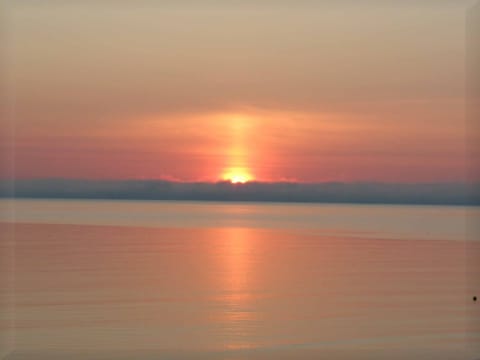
237 176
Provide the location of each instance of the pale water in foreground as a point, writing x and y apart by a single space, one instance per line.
192 280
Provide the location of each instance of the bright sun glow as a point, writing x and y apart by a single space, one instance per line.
237 176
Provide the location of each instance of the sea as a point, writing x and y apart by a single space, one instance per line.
144 280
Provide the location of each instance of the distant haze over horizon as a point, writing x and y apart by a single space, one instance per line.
206 91
334 192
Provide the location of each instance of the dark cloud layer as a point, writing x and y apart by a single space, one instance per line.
365 192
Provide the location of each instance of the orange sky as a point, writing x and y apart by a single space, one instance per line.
188 92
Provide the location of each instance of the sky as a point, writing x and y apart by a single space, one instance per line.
300 91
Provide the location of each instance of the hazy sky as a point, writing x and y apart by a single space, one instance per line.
297 90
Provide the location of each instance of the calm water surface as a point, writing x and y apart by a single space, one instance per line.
166 280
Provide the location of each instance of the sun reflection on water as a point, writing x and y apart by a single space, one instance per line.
238 316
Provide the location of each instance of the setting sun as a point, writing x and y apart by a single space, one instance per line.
237 176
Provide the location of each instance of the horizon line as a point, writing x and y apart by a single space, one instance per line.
255 181
365 192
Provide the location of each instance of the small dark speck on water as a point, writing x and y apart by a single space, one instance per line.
474 298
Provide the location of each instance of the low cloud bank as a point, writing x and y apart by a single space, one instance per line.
359 192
